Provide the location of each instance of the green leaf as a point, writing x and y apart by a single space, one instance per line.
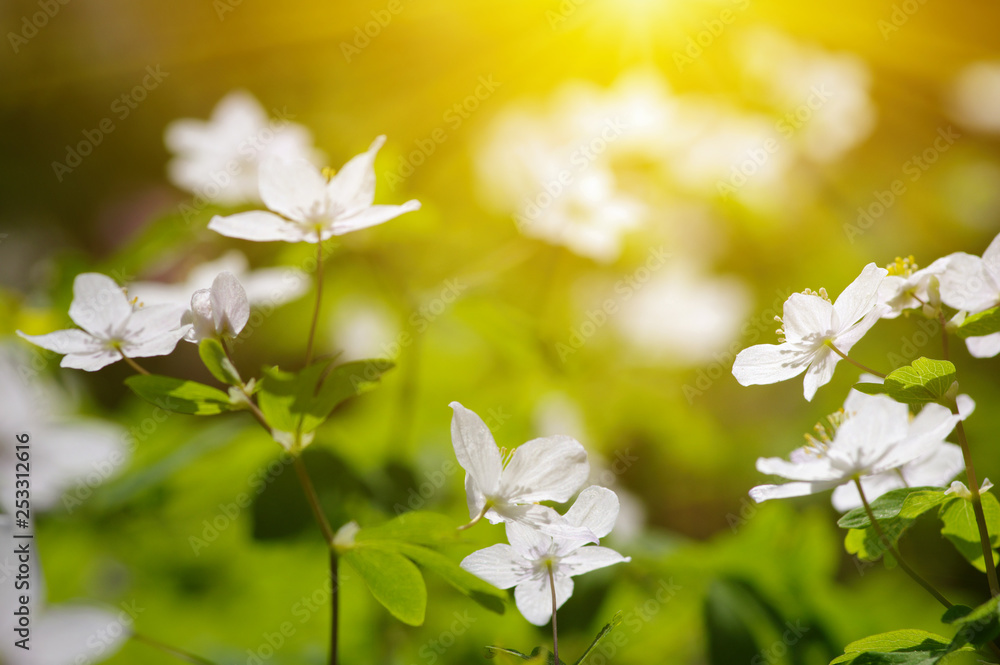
906 502
393 579
608 627
922 381
217 362
867 545
349 380
538 655
904 647
960 527
978 325
478 590
978 627
420 527
179 395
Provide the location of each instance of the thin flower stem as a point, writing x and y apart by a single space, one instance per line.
853 361
319 298
475 520
555 631
886 543
335 605
313 499
136 366
977 507
944 334
180 654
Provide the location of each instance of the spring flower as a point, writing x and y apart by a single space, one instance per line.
872 434
504 490
308 208
972 284
218 160
907 287
112 328
221 311
960 489
813 327
535 562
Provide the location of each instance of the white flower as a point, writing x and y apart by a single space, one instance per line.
906 287
975 95
112 328
873 434
265 286
972 284
309 208
546 469
958 488
221 311
811 325
218 160
532 557
68 451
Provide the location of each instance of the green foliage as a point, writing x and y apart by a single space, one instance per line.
921 382
542 655
217 362
976 627
980 324
899 647
961 529
905 503
179 395
393 579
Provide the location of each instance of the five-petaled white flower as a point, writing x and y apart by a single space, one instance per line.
310 209
220 311
546 469
812 327
972 284
534 563
907 287
873 434
112 328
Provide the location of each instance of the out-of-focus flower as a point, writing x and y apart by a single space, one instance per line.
218 159
975 97
537 565
308 208
264 286
907 287
873 434
221 311
67 450
546 469
812 324
112 328
362 329
972 284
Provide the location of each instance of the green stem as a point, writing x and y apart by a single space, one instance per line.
887 544
313 499
475 520
335 605
977 507
853 361
180 654
136 366
555 631
319 298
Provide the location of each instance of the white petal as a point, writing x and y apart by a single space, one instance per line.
475 449
371 217
543 519
230 307
259 226
70 634
763 493
200 316
534 597
352 189
805 316
274 286
528 542
966 405
546 469
475 498
846 339
966 284
768 363
153 331
846 496
590 558
99 304
66 341
811 468
986 346
295 189
91 362
820 372
991 259
499 565
596 508
860 296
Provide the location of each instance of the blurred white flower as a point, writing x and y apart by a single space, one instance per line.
66 450
308 208
112 328
508 489
975 97
219 159
538 565
219 311
265 286
972 284
812 326
361 329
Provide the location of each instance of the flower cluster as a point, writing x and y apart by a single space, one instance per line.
546 549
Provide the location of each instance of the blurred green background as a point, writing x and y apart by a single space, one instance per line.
698 88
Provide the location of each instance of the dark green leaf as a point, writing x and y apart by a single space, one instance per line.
978 627
179 395
906 502
393 579
981 324
899 647
217 362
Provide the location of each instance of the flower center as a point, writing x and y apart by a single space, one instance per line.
903 267
825 431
